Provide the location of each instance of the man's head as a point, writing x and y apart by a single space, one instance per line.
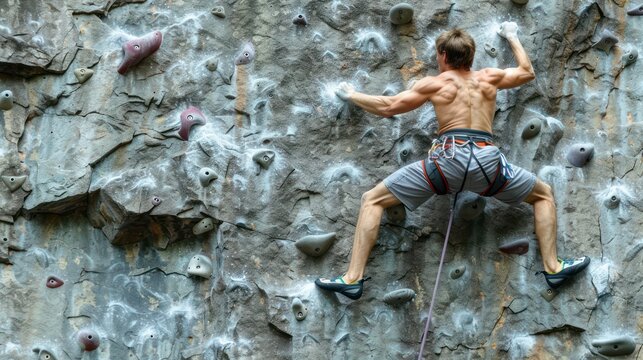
458 48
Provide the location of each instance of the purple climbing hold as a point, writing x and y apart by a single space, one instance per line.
637 11
607 40
518 247
579 154
54 282
246 55
300 19
88 339
138 49
156 200
189 117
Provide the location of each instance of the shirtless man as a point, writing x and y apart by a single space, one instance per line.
462 158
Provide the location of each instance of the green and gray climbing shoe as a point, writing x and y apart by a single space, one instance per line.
571 267
352 290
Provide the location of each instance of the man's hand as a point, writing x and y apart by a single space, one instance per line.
508 30
344 91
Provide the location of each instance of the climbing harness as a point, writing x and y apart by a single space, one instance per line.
440 186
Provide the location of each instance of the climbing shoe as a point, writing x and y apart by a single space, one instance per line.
571 267
352 290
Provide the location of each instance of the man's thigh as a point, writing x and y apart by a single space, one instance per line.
408 185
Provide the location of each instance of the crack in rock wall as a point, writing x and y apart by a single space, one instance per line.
177 202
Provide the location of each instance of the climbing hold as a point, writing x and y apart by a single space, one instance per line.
206 176
637 11
520 2
396 214
203 226
371 41
491 50
88 339
6 100
532 128
138 49
54 282
612 202
579 154
264 158
629 57
519 247
200 265
470 206
218 11
14 182
549 294
401 14
399 297
212 64
615 346
246 55
315 245
607 40
300 19
518 305
83 74
389 91
405 153
44 354
190 117
458 272
299 309
156 200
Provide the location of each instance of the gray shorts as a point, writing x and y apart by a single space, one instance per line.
410 186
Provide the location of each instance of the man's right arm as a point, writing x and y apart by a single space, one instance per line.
512 77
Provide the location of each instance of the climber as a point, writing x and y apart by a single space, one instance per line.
463 157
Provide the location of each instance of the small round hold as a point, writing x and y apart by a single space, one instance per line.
88 339
44 354
83 74
300 19
299 309
401 14
54 282
531 129
206 176
218 11
156 200
630 57
405 154
612 202
458 272
212 64
580 154
471 206
6 100
203 226
549 294
396 214
200 265
264 158
246 55
491 50
520 2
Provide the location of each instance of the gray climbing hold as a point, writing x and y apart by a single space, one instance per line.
246 55
629 57
531 129
6 100
212 64
399 297
200 265
607 40
612 202
83 74
580 154
44 354
203 226
206 176
549 294
518 305
396 214
631 254
315 245
470 206
218 11
405 153
519 247
637 11
156 200
88 339
14 182
491 50
520 2
264 158
389 91
299 309
615 346
457 272
300 19
401 14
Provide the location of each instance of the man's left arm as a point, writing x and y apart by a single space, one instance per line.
386 106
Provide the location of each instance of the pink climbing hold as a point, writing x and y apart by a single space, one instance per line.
518 247
138 49
54 282
189 117
88 339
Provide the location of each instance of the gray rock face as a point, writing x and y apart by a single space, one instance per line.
103 182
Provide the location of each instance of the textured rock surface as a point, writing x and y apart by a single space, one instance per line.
112 192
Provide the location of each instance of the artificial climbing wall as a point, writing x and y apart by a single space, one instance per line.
175 174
